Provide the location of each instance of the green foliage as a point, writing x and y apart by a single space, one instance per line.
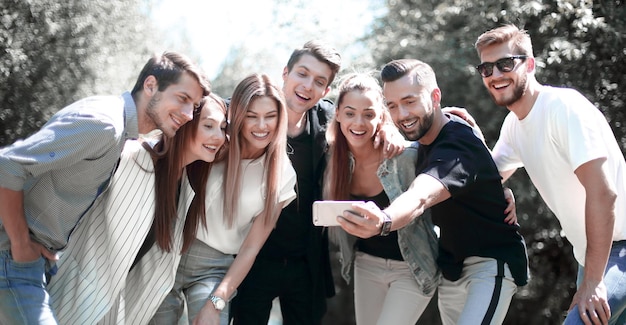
578 44
54 52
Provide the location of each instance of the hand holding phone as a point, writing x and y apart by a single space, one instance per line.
325 212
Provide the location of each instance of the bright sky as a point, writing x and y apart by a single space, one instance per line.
213 27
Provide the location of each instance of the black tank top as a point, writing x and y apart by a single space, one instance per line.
379 246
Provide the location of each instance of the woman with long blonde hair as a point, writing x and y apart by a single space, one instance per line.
244 198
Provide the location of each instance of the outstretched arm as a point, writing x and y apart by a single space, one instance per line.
424 192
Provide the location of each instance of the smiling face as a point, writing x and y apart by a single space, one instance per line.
210 135
306 83
259 127
506 88
411 106
169 109
359 114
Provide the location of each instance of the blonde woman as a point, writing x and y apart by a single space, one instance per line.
244 198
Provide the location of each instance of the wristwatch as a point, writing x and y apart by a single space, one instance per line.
218 302
386 227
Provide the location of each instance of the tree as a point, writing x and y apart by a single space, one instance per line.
54 52
579 44
288 28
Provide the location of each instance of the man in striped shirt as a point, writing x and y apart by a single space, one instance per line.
50 179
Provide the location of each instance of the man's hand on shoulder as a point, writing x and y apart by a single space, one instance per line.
392 140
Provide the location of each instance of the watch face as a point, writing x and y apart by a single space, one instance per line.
218 302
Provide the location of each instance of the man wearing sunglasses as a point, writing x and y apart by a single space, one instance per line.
574 161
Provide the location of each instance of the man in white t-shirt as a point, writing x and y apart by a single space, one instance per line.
571 155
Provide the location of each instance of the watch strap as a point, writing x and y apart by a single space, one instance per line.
386 227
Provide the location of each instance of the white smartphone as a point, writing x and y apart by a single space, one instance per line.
325 212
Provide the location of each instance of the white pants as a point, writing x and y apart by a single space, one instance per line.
385 292
481 296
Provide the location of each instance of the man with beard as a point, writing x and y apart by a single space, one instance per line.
571 155
49 180
481 257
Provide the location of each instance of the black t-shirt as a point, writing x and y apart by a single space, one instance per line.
290 237
472 220
379 246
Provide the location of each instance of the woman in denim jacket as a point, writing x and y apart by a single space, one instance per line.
395 275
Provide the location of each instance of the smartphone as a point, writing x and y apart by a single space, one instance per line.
325 212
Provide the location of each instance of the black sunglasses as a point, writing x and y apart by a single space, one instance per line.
504 65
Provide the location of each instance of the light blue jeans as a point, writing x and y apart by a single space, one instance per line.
23 295
200 270
615 281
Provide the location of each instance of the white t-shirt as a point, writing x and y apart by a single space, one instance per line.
251 203
563 131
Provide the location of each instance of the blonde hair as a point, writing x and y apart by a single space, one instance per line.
504 34
249 89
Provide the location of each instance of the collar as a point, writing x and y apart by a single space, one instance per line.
131 123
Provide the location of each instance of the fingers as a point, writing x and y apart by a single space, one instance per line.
31 252
591 317
511 218
362 222
387 150
391 150
49 255
593 311
377 140
606 312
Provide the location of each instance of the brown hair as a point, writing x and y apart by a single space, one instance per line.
249 89
321 52
504 34
168 154
423 73
338 175
167 68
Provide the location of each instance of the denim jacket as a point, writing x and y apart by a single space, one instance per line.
417 240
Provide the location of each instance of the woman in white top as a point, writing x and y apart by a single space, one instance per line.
244 198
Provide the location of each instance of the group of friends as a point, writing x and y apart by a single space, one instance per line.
105 222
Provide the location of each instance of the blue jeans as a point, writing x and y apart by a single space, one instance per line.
200 270
23 295
615 281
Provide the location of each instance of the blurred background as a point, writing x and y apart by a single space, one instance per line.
55 52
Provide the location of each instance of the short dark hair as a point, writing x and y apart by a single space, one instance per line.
423 73
167 68
320 51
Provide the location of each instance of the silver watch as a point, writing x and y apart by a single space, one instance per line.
218 302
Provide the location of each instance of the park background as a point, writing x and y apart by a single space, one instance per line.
55 52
